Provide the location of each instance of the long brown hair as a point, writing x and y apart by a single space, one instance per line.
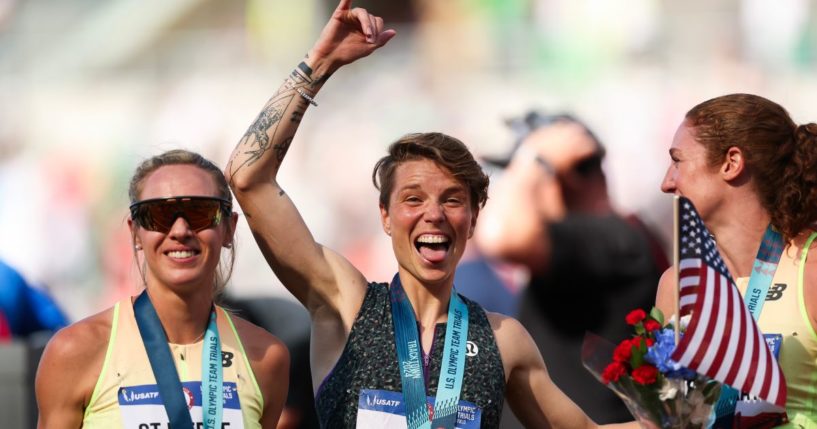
781 156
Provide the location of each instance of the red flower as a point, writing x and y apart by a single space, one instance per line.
651 325
635 316
613 372
645 374
649 341
623 351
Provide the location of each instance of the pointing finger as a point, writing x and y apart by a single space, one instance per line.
343 5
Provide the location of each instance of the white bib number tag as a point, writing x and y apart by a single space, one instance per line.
142 408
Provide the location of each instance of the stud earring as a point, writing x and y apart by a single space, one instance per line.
229 245
137 247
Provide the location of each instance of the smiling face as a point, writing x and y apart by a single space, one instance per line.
182 258
691 175
430 218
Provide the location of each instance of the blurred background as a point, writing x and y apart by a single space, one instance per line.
88 89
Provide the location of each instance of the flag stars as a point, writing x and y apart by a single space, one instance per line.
696 241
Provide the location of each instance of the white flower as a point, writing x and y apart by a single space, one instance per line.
684 321
667 391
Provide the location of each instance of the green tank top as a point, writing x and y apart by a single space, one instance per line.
784 312
122 395
369 361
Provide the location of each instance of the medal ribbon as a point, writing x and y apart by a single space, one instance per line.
164 369
449 384
212 406
768 256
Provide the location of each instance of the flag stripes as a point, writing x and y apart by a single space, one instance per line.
722 339
690 278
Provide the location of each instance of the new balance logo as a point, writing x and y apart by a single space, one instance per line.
775 292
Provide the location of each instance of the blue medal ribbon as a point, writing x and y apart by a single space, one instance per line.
212 402
768 256
449 383
164 369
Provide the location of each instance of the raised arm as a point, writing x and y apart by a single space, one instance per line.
318 277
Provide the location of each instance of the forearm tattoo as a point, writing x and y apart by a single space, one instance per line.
263 132
281 149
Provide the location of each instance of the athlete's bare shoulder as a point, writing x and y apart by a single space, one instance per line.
69 369
83 340
505 326
515 344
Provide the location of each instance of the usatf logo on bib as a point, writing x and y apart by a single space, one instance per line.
141 406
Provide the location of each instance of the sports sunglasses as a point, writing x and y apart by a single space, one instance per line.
159 214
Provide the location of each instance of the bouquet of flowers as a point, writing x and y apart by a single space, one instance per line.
658 391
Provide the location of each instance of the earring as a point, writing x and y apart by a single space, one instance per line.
229 245
137 246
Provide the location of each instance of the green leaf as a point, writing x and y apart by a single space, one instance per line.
639 328
636 357
656 314
642 346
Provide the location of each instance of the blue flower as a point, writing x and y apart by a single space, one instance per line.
659 355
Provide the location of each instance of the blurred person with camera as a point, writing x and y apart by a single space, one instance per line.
589 265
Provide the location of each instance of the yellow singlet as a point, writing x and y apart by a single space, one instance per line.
784 312
125 392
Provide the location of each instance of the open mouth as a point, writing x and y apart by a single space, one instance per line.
433 247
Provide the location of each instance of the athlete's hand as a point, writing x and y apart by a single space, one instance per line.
349 35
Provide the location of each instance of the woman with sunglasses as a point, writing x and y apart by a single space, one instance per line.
168 356
380 350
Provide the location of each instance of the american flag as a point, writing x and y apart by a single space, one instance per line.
722 339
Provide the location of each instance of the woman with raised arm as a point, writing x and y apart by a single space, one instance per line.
169 357
751 172
380 349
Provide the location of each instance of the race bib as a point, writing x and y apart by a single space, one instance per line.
142 408
379 409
